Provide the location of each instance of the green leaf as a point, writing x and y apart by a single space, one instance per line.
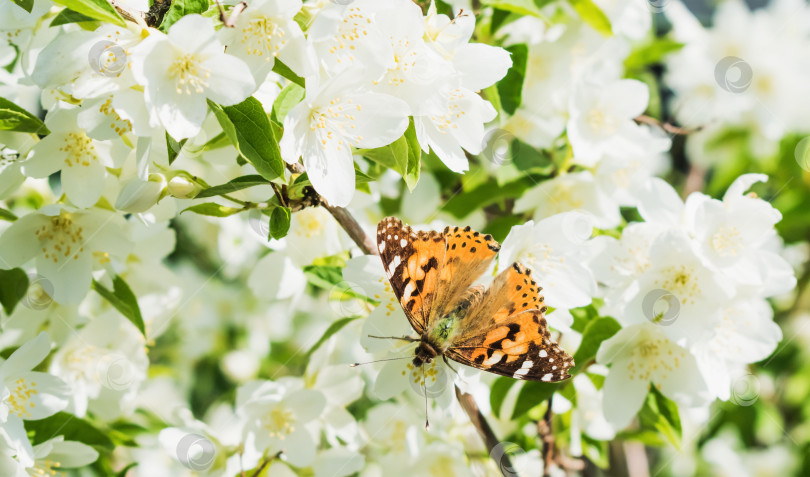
333 328
288 98
250 131
174 147
7 215
15 118
70 426
596 451
325 277
69 16
123 472
593 16
533 393
232 186
98 9
524 7
403 156
413 167
498 391
212 210
510 88
122 298
26 5
660 414
651 53
181 8
279 222
13 286
595 333
444 8
283 70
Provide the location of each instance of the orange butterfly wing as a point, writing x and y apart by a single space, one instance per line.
506 332
412 261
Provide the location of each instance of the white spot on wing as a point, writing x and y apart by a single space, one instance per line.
382 247
524 370
394 264
543 353
546 377
403 243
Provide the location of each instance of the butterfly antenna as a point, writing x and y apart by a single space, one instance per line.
424 388
401 338
354 365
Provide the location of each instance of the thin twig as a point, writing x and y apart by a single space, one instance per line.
695 180
366 244
487 435
266 463
546 433
668 127
355 231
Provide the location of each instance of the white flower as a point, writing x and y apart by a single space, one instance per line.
105 363
28 395
570 192
57 453
276 277
138 195
277 414
601 118
81 160
415 73
265 31
333 118
345 37
553 249
452 122
641 354
365 275
184 68
67 246
734 235
745 333
89 64
677 290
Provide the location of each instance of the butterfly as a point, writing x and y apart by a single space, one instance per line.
501 329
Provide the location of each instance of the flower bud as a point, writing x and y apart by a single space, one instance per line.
137 195
183 187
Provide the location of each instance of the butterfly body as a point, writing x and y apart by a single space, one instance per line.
500 329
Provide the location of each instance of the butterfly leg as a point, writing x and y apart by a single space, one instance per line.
447 362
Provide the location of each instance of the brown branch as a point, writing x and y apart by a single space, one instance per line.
695 180
482 426
667 126
355 231
366 244
546 434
